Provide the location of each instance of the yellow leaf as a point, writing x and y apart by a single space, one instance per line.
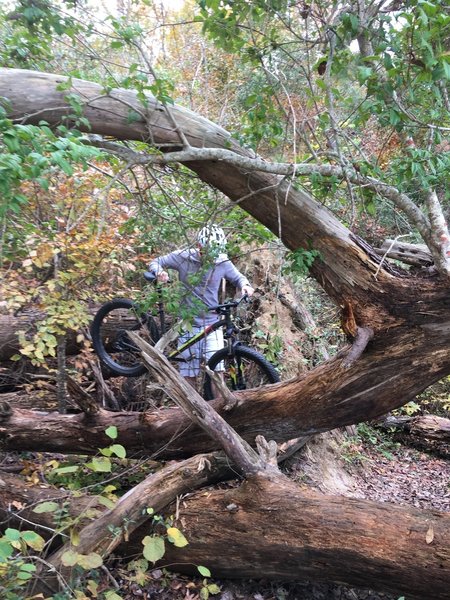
90 561
74 537
430 535
176 537
69 558
92 586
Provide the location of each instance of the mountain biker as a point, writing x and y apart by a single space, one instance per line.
201 270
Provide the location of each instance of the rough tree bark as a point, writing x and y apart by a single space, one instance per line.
277 530
426 427
327 538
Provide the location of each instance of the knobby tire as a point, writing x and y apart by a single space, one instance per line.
112 344
259 370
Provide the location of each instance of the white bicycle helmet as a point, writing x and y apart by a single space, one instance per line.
212 235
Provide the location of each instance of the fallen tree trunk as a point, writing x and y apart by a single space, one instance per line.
18 497
426 427
269 528
417 255
11 325
273 529
331 396
104 533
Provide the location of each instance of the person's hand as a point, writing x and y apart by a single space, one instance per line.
247 289
163 276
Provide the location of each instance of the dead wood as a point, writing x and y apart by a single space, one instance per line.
271 528
108 398
84 400
426 427
410 318
25 321
417 255
202 413
362 338
18 497
320 400
116 525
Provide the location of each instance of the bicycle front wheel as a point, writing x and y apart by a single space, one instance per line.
110 337
245 368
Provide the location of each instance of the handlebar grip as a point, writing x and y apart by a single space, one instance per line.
150 276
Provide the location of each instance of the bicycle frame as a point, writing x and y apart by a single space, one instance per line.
225 323
221 323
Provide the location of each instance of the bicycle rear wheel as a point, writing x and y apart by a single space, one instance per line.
245 368
110 338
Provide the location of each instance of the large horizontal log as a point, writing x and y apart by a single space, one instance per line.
273 529
331 396
10 325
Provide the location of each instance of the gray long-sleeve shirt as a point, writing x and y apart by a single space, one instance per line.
188 263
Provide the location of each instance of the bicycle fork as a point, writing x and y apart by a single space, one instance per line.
235 366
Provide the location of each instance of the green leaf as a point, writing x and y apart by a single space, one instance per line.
446 69
5 549
24 576
100 464
371 208
176 537
112 432
68 469
204 571
118 450
12 535
29 567
204 593
33 540
154 548
46 507
213 589
106 502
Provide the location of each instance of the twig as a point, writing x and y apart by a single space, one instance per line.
387 252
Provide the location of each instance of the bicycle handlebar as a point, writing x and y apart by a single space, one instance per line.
230 304
152 277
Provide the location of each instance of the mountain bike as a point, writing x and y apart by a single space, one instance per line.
244 367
